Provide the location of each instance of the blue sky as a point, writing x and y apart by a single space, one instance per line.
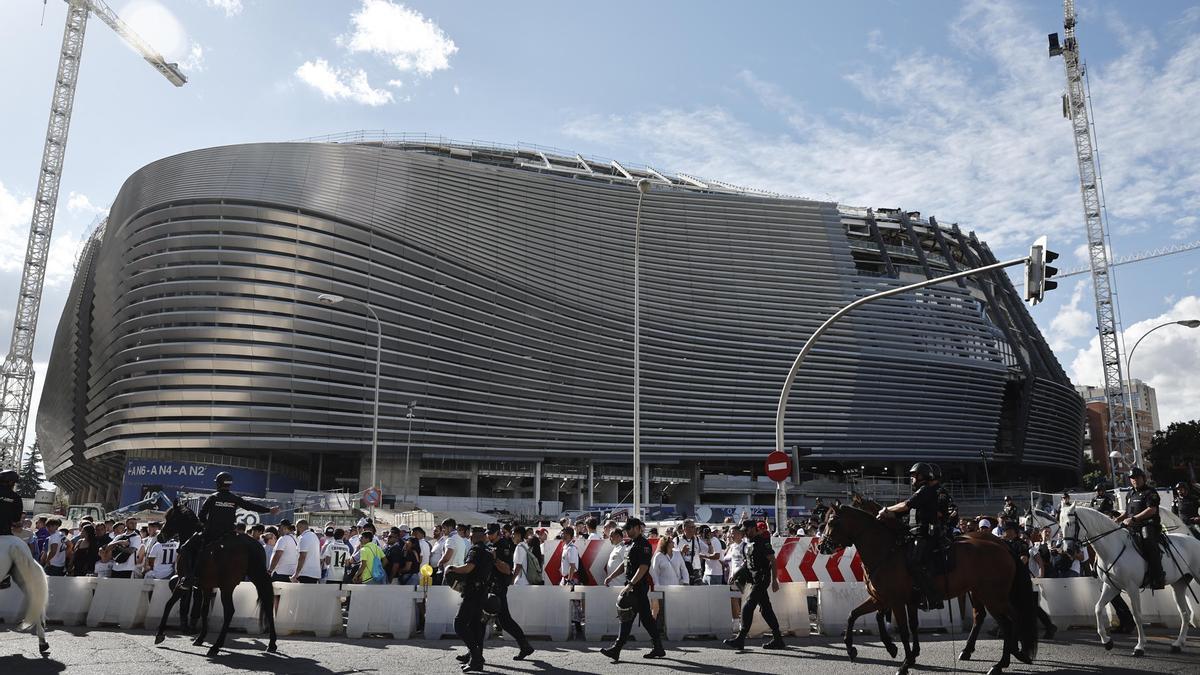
949 108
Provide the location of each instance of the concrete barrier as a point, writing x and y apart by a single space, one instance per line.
441 605
697 611
382 610
122 602
791 608
308 608
600 613
834 604
542 611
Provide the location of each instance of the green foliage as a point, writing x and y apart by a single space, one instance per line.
31 476
1173 451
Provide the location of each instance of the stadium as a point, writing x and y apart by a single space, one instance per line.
194 336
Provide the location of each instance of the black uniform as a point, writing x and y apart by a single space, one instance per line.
1009 512
638 595
1148 532
12 510
1103 503
759 558
468 624
924 527
218 515
503 549
1187 507
818 515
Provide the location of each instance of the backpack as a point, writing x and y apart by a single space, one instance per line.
378 574
533 570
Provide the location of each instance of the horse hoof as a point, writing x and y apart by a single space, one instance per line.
964 656
158 639
197 642
1139 653
44 649
1108 646
1175 649
852 652
891 649
995 670
272 648
213 651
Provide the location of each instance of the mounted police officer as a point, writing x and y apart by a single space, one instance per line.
1141 517
503 548
1010 512
760 562
12 509
947 509
475 574
818 513
634 602
218 515
1103 501
924 528
1186 505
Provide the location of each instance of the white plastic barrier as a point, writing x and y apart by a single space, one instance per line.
12 604
70 599
542 611
160 593
308 608
834 604
790 603
382 610
697 611
1070 602
441 605
246 611
600 613
119 601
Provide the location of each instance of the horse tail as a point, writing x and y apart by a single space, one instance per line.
1023 612
33 584
256 571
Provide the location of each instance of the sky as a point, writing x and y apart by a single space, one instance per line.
948 108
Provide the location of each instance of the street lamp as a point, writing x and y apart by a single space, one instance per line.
1113 458
331 299
1137 443
643 188
409 414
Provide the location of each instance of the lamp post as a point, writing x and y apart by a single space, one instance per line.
331 299
409 414
643 188
1137 443
1113 458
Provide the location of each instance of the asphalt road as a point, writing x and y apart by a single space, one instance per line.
106 651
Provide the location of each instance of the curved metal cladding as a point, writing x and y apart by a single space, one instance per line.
505 297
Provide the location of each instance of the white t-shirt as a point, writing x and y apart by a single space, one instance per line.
616 560
288 549
354 542
715 568
735 555
570 556
310 545
668 570
695 547
460 547
436 550
595 536
338 553
521 557
163 554
130 563
60 556
424 552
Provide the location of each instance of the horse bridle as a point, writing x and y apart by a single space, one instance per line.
1074 519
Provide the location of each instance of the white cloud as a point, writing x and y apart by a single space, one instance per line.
194 60
15 213
1072 321
974 136
402 35
337 84
230 7
1169 361
80 203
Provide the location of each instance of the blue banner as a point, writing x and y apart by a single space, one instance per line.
143 476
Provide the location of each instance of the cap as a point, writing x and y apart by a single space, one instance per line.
493 528
403 527
984 522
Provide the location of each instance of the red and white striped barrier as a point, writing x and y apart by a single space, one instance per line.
796 559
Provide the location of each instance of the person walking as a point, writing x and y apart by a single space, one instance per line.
634 602
475 575
503 549
760 561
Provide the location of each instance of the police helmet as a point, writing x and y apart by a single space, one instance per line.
1101 487
1136 472
625 607
491 607
1183 486
9 477
921 469
223 480
937 472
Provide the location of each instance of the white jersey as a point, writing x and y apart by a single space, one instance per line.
715 568
570 558
310 546
288 550
60 556
338 554
163 555
521 558
616 561
130 563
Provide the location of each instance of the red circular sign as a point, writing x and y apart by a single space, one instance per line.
779 466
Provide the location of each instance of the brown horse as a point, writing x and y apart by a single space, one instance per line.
230 561
984 569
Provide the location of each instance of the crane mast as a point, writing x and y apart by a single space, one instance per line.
17 387
1120 437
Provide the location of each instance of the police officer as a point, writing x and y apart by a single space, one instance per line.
1103 501
12 510
1141 516
1186 505
1009 512
818 513
760 562
475 574
218 515
947 509
635 601
503 548
923 526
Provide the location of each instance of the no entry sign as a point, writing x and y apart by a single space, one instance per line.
779 466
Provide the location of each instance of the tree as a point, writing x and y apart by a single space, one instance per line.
1175 453
31 476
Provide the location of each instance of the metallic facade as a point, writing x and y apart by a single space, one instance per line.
503 281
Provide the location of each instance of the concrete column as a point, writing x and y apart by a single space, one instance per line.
591 481
537 485
645 483
474 480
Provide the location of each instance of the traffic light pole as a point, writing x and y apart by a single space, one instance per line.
812 340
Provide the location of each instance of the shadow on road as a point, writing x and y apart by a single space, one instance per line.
30 666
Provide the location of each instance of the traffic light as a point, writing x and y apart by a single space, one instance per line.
1038 271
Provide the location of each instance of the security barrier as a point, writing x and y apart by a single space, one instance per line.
70 599
441 605
1071 602
542 611
309 608
119 601
600 610
382 610
697 611
790 603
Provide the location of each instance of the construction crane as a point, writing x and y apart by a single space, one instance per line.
18 365
1120 437
1137 257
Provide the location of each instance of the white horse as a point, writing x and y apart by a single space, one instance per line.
1121 568
28 574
